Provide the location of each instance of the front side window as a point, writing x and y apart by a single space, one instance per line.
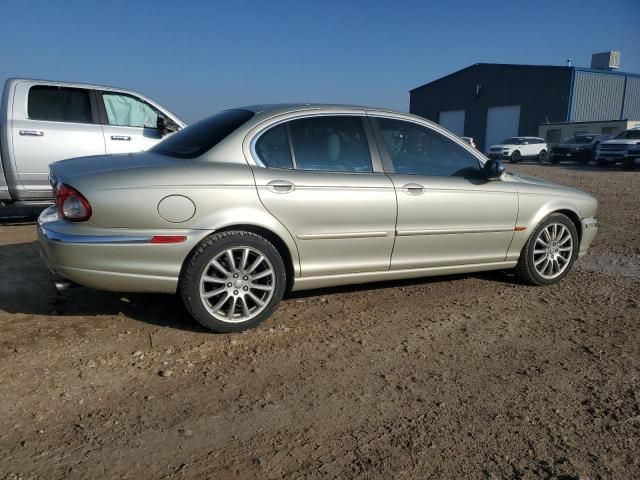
59 104
128 111
330 144
202 136
273 148
418 150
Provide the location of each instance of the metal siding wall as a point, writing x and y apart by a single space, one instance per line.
631 109
597 96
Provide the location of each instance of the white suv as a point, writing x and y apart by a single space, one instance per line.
616 150
515 149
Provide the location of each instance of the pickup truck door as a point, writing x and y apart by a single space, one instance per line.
50 123
129 123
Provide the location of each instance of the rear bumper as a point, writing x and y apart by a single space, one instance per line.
112 259
589 230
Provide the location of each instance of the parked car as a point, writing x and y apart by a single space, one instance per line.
581 148
615 150
632 159
515 149
43 121
470 141
238 208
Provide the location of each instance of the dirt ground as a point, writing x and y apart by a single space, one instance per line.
475 376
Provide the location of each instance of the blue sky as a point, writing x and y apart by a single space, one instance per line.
198 57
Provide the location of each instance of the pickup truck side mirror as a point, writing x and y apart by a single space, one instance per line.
493 169
166 125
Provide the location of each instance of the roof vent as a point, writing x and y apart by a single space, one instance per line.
605 60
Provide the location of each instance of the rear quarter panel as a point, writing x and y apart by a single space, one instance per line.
224 195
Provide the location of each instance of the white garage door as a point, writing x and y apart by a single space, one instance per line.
502 122
452 120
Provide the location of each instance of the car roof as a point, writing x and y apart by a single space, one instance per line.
275 108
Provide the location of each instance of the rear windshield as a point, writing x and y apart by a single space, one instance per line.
202 136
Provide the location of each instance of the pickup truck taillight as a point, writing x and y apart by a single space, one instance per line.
71 204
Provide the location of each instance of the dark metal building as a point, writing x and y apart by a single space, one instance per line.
490 102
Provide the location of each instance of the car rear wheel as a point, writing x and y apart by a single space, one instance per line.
233 281
550 251
515 157
542 156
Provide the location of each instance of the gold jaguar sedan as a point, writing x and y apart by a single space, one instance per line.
238 208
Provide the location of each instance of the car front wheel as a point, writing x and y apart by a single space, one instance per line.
515 157
550 251
233 281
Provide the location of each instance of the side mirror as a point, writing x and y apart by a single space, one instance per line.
165 125
493 169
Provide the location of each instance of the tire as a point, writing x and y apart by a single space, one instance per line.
515 157
236 287
529 264
585 157
629 164
542 156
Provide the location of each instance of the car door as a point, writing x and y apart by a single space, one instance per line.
322 180
55 123
448 213
130 124
533 147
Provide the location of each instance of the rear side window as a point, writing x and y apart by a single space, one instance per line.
59 104
330 144
202 136
273 148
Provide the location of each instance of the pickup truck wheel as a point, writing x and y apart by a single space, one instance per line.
542 156
232 281
515 157
550 251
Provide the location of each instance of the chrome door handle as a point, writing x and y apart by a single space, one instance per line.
120 137
413 189
31 133
280 186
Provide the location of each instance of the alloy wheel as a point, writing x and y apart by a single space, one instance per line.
553 250
237 284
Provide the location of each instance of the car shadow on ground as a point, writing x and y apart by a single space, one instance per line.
26 288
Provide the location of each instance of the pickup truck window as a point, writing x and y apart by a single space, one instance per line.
59 104
128 111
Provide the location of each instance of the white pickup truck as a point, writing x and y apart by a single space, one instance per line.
43 121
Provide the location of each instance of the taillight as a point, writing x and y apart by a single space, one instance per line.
71 204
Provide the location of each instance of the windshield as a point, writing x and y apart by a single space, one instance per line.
202 136
630 134
580 139
513 141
